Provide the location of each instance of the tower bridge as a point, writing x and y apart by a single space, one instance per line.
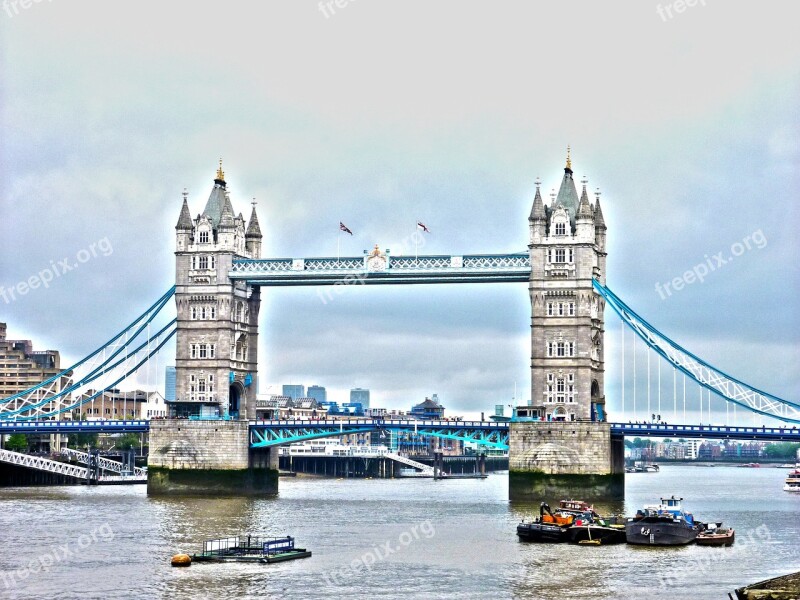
222 443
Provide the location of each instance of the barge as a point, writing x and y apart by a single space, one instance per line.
250 549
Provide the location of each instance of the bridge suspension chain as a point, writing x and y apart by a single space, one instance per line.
47 399
732 390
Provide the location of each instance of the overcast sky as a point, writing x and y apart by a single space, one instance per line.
379 114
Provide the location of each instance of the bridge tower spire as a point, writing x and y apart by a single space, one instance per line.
217 336
567 248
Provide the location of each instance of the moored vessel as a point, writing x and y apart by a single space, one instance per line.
792 483
716 535
247 548
664 525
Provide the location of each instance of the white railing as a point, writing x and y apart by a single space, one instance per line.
43 464
426 469
104 463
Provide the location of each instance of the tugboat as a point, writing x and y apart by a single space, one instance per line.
792 483
663 525
548 527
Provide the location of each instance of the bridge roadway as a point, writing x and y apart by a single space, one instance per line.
489 433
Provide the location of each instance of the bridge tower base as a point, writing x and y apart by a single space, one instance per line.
204 458
553 460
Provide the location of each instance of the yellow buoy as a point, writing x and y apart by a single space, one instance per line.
181 560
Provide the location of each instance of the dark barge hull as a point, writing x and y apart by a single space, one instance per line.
538 532
659 533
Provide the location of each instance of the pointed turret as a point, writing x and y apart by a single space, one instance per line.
185 218
184 227
567 194
227 217
216 200
537 211
584 207
599 221
537 221
253 227
253 235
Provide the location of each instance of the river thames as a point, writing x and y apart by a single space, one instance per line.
387 538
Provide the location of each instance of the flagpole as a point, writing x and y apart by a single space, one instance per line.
338 241
416 242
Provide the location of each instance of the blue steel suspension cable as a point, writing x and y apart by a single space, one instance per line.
108 387
625 312
158 305
87 378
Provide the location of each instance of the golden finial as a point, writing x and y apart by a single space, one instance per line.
569 160
220 172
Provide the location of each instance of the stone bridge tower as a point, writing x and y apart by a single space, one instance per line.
561 445
568 250
217 339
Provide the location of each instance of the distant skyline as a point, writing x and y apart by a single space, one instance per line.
365 117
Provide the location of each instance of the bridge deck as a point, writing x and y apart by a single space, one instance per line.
384 269
339 427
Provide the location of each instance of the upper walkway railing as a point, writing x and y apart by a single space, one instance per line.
384 269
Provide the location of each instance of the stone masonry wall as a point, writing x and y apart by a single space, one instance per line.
201 445
563 448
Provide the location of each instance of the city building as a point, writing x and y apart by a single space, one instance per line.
155 407
428 409
294 391
360 396
111 404
216 344
170 378
568 251
22 367
317 392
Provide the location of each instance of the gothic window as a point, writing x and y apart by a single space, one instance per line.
194 313
203 351
211 350
204 237
549 255
193 351
560 385
560 349
213 314
571 309
549 309
570 255
203 313
201 386
570 348
560 255
560 309
212 261
549 348
549 377
561 228
202 262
